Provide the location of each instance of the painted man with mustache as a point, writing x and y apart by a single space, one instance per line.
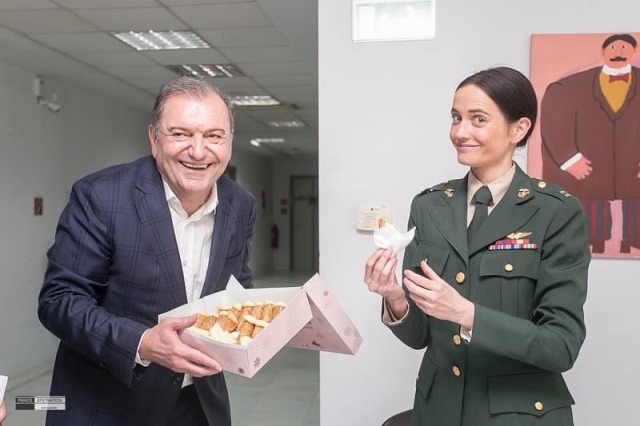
590 126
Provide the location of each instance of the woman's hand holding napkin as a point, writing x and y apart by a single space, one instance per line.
389 236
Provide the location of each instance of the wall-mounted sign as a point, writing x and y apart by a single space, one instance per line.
389 20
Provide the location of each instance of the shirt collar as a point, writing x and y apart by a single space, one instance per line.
616 71
174 203
498 187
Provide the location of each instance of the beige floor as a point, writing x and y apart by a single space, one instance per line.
284 393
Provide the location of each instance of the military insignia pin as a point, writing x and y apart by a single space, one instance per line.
565 193
449 192
523 192
518 235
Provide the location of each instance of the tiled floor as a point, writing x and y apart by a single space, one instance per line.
284 393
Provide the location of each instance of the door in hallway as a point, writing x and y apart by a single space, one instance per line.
304 223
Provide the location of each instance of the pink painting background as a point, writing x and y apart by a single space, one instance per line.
554 56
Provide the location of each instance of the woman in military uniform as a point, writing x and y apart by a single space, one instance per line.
496 276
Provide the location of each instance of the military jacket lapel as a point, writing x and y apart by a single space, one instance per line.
450 218
511 213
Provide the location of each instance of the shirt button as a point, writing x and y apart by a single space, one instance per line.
538 406
455 370
508 267
460 277
457 340
184 263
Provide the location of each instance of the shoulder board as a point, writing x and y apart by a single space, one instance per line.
443 186
544 187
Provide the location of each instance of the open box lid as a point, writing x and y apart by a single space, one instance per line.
330 328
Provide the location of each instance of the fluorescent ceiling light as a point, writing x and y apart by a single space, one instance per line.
161 40
262 100
207 70
287 123
260 141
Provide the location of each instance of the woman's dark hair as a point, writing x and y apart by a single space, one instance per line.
511 91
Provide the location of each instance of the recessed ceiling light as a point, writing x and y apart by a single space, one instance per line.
207 70
286 123
260 141
160 40
261 100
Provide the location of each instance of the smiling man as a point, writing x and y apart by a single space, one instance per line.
139 239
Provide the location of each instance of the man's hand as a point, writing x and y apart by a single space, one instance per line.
580 169
438 299
162 345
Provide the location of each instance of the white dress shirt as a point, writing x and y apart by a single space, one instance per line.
193 236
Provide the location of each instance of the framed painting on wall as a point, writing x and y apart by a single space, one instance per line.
588 135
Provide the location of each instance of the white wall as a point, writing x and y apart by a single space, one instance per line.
254 174
41 154
384 114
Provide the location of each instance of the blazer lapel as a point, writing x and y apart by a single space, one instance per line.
451 219
224 216
153 213
509 215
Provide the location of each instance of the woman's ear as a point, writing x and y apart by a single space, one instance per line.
519 129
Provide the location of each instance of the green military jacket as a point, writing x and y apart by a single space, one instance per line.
529 321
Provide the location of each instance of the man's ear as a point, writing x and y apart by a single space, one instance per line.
152 139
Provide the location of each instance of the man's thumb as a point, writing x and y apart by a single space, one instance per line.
181 322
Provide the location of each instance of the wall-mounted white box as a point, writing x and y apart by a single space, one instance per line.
391 20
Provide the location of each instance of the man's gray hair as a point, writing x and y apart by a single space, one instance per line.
189 86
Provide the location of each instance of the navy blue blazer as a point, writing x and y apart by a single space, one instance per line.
114 266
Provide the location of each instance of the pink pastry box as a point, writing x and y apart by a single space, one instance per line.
313 319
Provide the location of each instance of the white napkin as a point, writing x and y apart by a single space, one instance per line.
389 236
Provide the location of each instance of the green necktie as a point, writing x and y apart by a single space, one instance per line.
481 198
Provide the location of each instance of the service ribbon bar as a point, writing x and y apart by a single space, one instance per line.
527 246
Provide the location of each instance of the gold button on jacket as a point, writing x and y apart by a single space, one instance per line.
460 277
538 406
456 370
